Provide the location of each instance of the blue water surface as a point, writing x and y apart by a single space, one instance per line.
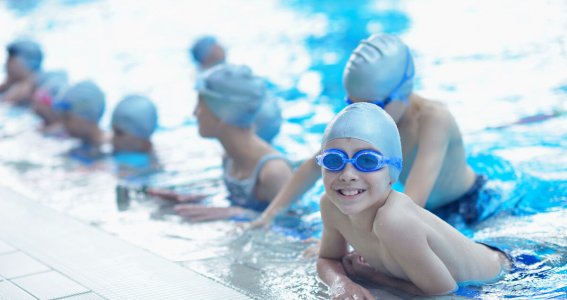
492 63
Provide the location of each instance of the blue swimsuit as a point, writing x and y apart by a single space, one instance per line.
241 192
471 205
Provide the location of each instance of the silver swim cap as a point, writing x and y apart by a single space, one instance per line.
53 83
233 94
269 119
381 67
202 48
29 52
84 99
136 115
367 122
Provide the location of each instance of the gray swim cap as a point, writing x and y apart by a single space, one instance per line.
29 52
202 48
380 67
367 122
53 83
136 115
269 119
84 99
233 94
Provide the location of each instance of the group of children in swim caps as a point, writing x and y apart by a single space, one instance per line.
77 108
386 133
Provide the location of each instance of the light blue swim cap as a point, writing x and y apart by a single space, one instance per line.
84 99
53 83
380 67
269 119
136 115
203 47
233 94
367 122
29 52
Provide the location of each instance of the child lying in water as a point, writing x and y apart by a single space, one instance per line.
406 246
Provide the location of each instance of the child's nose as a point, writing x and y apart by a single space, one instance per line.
349 173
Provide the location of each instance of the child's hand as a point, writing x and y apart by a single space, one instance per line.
260 223
352 291
171 195
201 213
357 268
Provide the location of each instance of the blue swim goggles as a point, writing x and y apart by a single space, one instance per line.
367 160
396 90
61 106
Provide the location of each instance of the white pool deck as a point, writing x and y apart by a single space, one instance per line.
45 254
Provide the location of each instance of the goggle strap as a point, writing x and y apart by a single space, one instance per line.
395 162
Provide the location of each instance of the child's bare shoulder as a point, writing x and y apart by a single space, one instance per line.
397 215
434 113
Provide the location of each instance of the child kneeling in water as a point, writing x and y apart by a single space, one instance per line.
408 247
230 98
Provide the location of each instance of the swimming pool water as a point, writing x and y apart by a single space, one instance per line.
490 63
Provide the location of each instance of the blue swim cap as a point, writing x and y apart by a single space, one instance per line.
233 94
202 48
367 122
380 67
28 51
53 83
84 99
269 119
135 115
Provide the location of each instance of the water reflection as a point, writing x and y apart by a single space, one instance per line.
302 47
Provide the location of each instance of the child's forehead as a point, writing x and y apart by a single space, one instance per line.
349 144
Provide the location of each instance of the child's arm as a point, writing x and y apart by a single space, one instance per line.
273 176
3 87
333 274
300 182
358 269
432 147
329 267
6 84
174 196
19 92
202 213
408 244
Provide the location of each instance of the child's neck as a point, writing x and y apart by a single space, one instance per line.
94 139
243 147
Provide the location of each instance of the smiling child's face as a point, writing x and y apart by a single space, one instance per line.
353 191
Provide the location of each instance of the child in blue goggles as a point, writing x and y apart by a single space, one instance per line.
366 160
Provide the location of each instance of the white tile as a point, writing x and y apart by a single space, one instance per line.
87 296
5 248
9 291
18 264
50 285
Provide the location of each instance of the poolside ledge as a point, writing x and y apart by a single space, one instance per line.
47 255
